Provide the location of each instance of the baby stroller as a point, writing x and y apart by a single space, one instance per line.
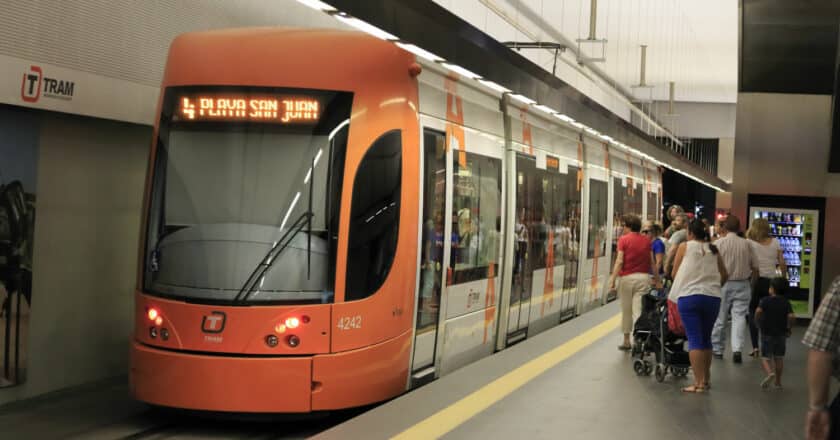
652 336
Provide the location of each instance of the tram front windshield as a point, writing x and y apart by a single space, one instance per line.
245 195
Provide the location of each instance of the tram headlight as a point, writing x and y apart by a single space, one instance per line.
292 322
293 341
164 334
272 340
153 332
153 314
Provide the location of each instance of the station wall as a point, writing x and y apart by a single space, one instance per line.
781 147
90 175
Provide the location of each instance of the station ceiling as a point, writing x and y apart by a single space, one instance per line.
788 46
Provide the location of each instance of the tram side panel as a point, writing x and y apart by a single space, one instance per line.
546 220
371 318
471 124
594 270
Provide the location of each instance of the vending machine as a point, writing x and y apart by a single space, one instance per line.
797 231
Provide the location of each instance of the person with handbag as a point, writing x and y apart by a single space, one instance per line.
699 273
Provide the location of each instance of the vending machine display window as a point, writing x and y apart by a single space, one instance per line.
797 232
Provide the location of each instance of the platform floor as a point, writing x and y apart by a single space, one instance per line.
591 394
570 381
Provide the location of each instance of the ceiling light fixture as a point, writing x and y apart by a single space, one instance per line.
420 52
523 99
365 27
494 86
317 5
461 71
545 108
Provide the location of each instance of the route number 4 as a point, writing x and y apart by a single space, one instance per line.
350 322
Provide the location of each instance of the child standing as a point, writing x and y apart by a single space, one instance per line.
775 318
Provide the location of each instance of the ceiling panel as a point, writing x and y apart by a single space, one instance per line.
789 46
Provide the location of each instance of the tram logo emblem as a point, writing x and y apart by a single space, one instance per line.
35 85
30 88
214 322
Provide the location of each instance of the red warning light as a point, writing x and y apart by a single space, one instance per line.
292 322
153 314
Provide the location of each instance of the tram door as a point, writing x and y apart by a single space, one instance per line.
432 262
525 247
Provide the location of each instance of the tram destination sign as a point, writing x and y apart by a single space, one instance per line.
246 108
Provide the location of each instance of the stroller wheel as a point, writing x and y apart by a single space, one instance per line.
639 367
648 368
661 370
681 372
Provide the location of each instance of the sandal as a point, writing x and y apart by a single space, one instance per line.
754 352
623 347
707 386
693 389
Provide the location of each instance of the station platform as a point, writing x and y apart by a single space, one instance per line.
571 381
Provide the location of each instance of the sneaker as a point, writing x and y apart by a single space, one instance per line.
766 382
777 387
736 357
718 355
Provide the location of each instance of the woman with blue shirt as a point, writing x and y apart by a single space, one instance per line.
657 245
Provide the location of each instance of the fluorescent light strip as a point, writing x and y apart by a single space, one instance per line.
420 52
523 99
494 86
317 5
365 27
545 108
379 33
461 71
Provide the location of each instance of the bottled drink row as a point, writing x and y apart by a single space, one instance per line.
790 244
780 217
795 230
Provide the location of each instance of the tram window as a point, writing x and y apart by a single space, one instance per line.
546 203
619 196
476 212
652 205
597 219
374 216
633 201
572 223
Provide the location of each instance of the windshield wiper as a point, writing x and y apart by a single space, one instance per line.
272 255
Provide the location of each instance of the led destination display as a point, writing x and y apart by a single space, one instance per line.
233 108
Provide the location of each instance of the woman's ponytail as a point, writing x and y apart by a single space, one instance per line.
698 229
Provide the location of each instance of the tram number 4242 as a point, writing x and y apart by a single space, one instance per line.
350 322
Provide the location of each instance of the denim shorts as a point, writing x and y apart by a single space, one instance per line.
772 346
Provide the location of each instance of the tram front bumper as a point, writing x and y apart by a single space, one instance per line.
221 383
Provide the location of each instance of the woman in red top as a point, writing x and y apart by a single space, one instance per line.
633 264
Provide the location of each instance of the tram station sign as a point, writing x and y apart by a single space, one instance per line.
31 83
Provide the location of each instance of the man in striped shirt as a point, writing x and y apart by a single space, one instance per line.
740 261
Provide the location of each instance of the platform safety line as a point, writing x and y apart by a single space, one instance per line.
459 412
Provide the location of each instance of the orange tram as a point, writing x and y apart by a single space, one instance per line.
331 221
